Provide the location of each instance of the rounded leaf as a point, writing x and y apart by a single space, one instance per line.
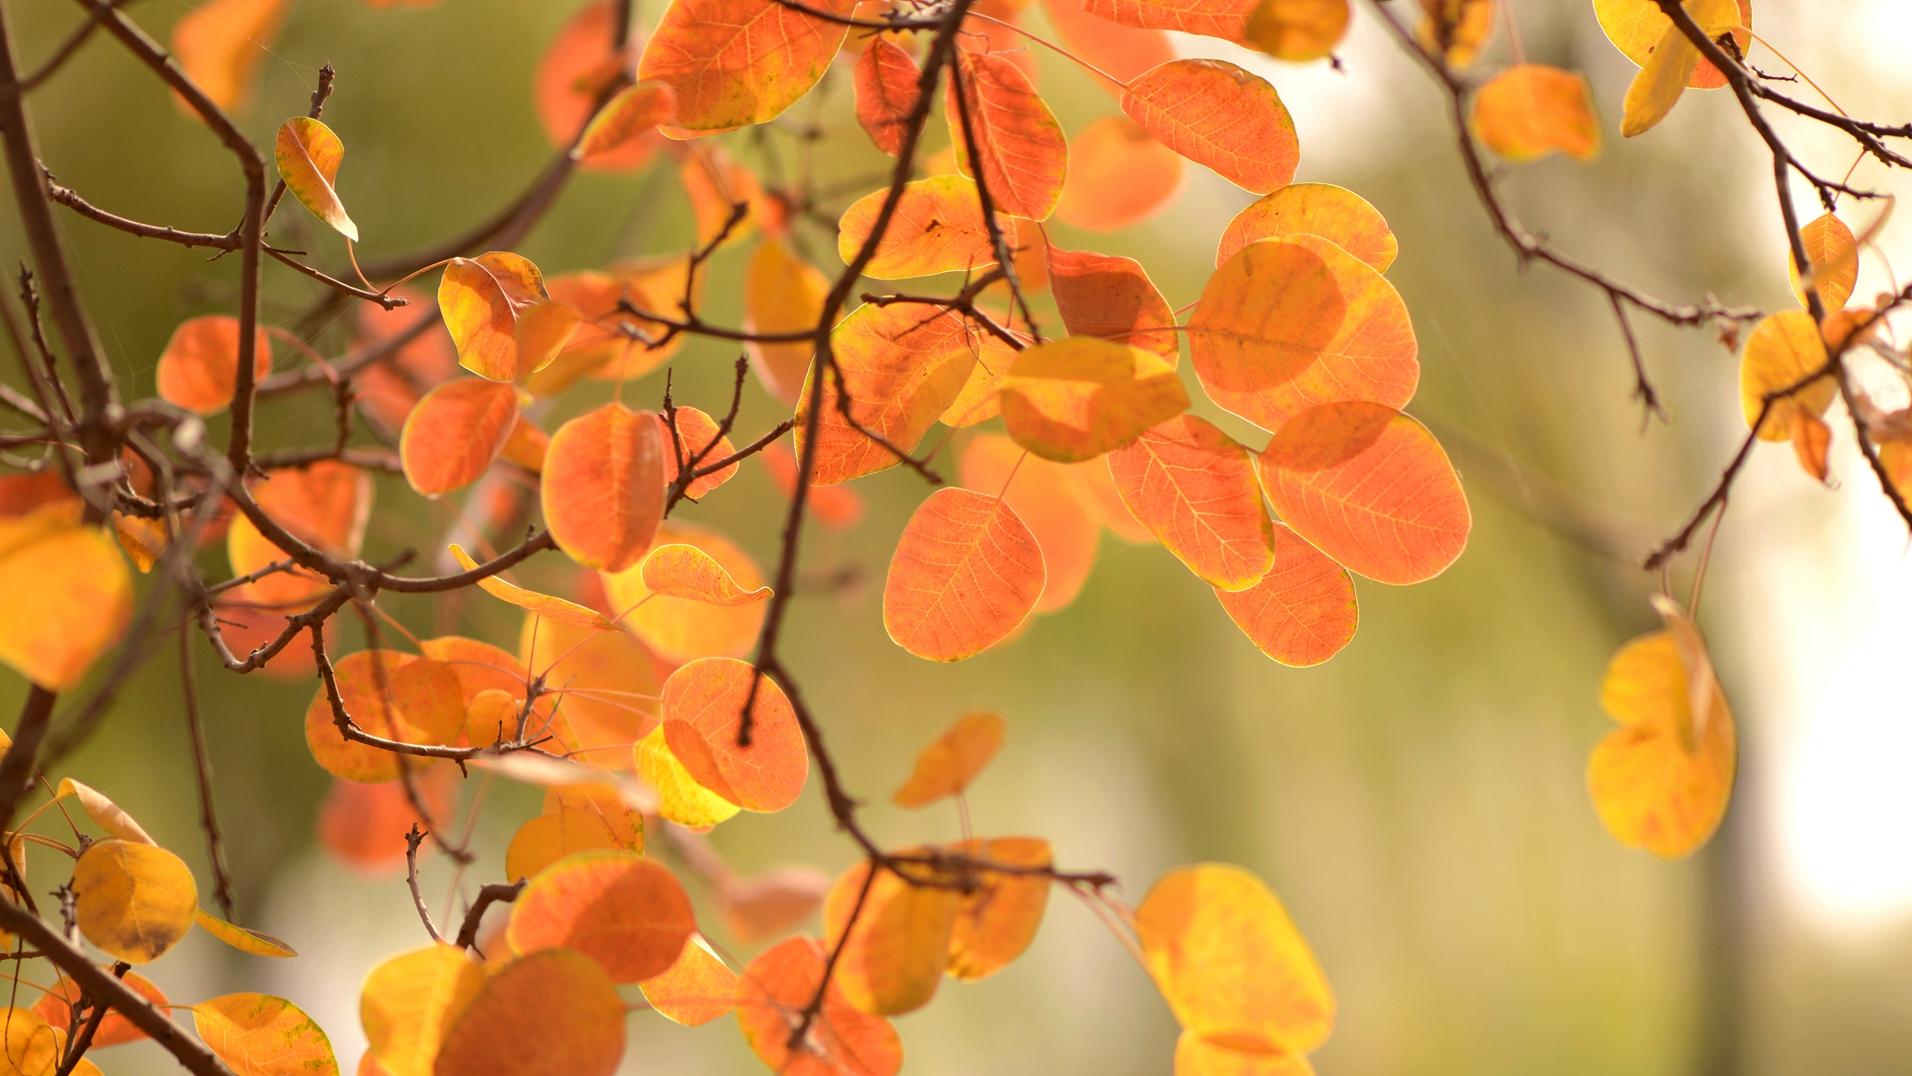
410 1000
1782 353
784 294
1531 110
1303 611
937 228
1119 176
965 574
134 901
603 486
1075 399
996 922
388 694
624 911
200 366
1834 257
65 595
694 991
1298 30
703 719
260 1035
1050 501
1336 214
846 1042
892 958
737 62
551 1013
903 365
308 154
454 433
1217 114
887 90
55 1007
1112 298
946 767
481 300
1021 154
680 798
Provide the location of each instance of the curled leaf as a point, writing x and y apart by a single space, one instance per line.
482 300
108 815
543 605
244 939
308 154
685 571
681 628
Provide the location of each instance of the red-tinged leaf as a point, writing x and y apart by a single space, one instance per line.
55 1007
1336 214
685 571
1194 488
984 31
715 184
599 349
1291 323
544 328
699 434
388 694
1297 30
580 66
364 826
937 228
20 494
258 1035
694 991
607 684
1020 147
736 62
902 366
679 629
1531 110
308 155
1226 19
625 119
410 1000
219 45
946 767
1119 175
1075 399
526 445
1122 52
886 92
624 911
451 437
326 505
965 574
782 294
559 835
543 605
996 922
836 507
389 388
1048 500
891 959
603 486
1303 611
1217 114
1113 298
482 299
703 713
198 369
763 906
1371 488
844 1042
1196 1055
551 1013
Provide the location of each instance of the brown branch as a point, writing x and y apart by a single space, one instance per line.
202 769
413 838
80 1043
495 893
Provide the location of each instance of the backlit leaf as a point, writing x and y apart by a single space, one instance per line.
134 901
1673 63
685 571
599 348
219 45
703 714
781 981
607 802
308 155
680 798
716 184
1781 353
1336 214
559 835
259 1035
409 1000
55 1007
1636 26
577 70
1119 175
626 118
1530 110
782 293
143 539
1075 399
1097 492
1230 963
482 299
1112 298
620 909
937 228
1290 323
201 362
1226 19
1122 52
606 684
735 62
981 398
1196 1055
699 433
244 939
326 505
1297 30
679 629
1303 611
965 574
550 1013
893 955
1194 488
946 767
887 91
996 922
1834 257
1371 488
454 433
65 595
388 694
1048 499
108 815
1217 114
694 991
1020 148
1454 30
603 486
543 605
903 364
836 507
32 1047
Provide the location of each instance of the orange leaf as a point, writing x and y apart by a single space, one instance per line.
219 45
836 507
902 366
607 683
1834 257
390 388
1530 110
1230 963
198 369
624 911
1455 29
1371 488
364 826
782 293
694 991
715 184
1783 350
685 571
1123 52
578 68
937 228
482 299
326 505
703 714
552 1013
766 905
626 118
55 1007
1811 439
886 92
543 605
1048 500
699 432
892 957
1113 298
526 445
1098 493
1196 1055
1336 214
736 62
680 629
606 802
479 666
1226 19
559 835
1075 399
844 1042
1290 323
603 352
947 766
1020 146
308 156
1119 175
1217 114
454 433
1303 611
603 486
65 595
389 694
410 1000
1194 488
996 922
1297 30
965 574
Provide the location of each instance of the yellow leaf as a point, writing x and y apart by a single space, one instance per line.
65 595
259 1035
410 1000
680 798
894 955
543 605
1298 30
1075 399
947 766
1783 350
782 293
1657 88
134 901
143 539
33 1048
103 811
697 989
244 939
308 154
1834 256
1199 1056
685 571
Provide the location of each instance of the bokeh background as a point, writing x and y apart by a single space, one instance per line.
1418 801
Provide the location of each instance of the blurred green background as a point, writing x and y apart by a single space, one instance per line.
1418 802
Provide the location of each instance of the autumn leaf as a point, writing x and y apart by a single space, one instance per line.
998 919
1194 488
695 990
308 154
845 1042
1021 154
410 1000
704 703
837 507
1297 30
685 571
451 437
388 389
680 798
1112 298
620 909
736 62
1636 26
1336 214
937 228
482 300
1198 1055
388 694
1217 114
625 118
981 397
543 605
550 1013
200 366
65 595
965 573
1122 52
219 45
1783 351
1049 500
1303 611
559 835
680 629
603 486
699 434
1834 257
135 901
579 67
56 1008
1075 399
782 294
260 1035
326 505
608 689
1673 63
891 958
902 366
108 815
1455 30
1531 110
946 767
1226 19
32 1047
887 90
1097 493
244 939
1119 176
